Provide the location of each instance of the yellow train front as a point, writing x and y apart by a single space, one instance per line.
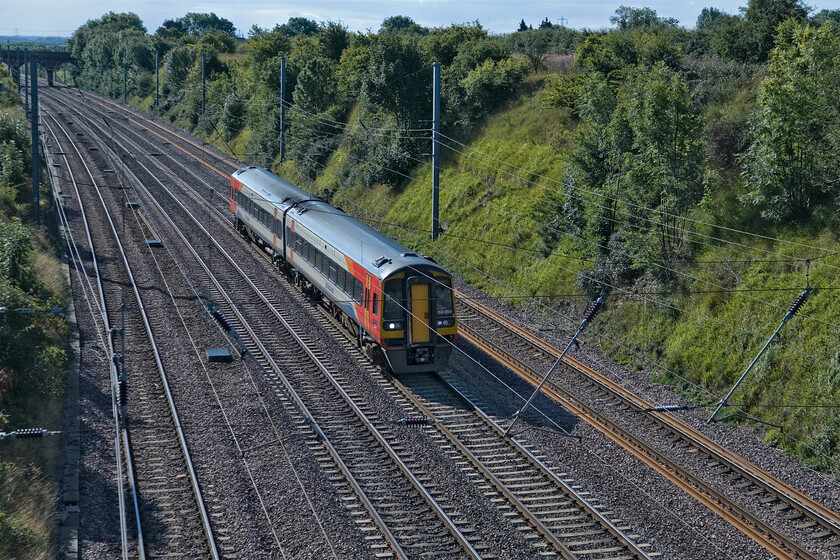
418 323
398 304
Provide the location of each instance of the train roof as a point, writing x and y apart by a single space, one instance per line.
379 254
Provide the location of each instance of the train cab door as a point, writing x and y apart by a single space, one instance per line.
420 332
366 299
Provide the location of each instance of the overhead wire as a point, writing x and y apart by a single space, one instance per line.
663 304
671 269
664 228
641 207
688 231
624 380
717 239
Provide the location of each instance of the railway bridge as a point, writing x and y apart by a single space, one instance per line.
48 60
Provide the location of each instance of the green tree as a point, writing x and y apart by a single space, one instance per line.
666 167
15 251
763 16
109 23
401 24
198 24
825 15
298 26
332 40
264 46
635 18
15 137
707 17
640 157
534 44
393 80
490 84
176 67
792 163
611 53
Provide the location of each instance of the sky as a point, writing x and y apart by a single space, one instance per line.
62 17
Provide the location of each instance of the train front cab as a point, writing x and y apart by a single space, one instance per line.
418 321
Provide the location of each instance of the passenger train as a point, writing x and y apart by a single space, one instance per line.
398 304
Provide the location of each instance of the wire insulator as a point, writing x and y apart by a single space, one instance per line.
222 320
798 302
669 408
122 392
416 421
29 433
593 310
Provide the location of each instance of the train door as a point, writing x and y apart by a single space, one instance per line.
277 227
366 301
420 314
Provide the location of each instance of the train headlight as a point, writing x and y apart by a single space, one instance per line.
446 322
393 325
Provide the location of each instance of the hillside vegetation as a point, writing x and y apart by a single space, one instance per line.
692 175
33 361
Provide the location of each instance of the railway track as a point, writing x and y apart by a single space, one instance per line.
822 526
360 452
586 547
793 511
156 455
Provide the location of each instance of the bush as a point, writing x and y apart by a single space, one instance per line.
491 84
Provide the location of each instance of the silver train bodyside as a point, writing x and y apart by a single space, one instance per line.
399 305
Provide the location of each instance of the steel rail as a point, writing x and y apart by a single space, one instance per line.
780 489
288 389
526 512
764 535
205 518
112 373
462 540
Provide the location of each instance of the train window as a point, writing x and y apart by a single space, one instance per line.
318 259
325 263
375 303
357 290
298 246
340 279
443 296
367 297
333 273
393 299
288 236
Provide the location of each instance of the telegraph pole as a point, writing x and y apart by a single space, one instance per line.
157 77
435 150
203 82
26 78
282 109
36 177
17 68
125 83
